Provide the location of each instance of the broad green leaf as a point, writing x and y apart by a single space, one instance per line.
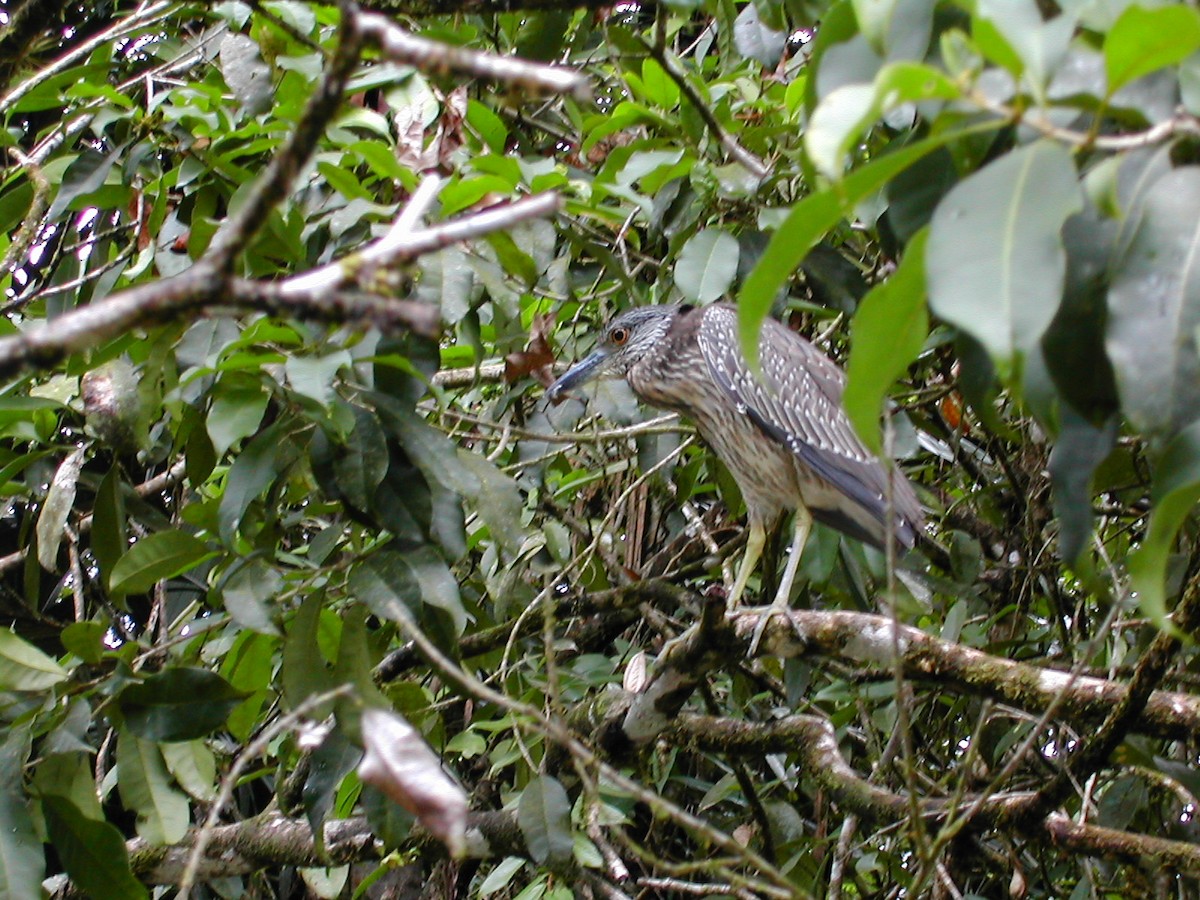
22 862
501 875
995 261
1080 448
1039 45
93 853
889 331
23 667
706 265
660 88
844 114
250 593
250 666
874 20
85 640
237 410
1154 309
315 377
1142 41
544 814
388 586
179 704
304 671
146 790
193 766
498 500
363 461
1175 492
264 460
84 176
164 554
108 535
70 776
807 223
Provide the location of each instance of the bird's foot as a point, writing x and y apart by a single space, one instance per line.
765 616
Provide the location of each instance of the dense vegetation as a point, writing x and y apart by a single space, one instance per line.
311 592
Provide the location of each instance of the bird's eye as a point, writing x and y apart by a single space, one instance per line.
619 335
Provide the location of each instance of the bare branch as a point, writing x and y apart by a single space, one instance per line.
396 43
866 639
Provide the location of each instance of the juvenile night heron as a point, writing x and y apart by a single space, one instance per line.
783 434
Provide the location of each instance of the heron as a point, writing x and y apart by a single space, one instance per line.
781 431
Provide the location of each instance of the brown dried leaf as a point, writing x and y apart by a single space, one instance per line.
399 763
537 359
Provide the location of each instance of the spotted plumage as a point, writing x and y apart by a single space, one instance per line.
782 433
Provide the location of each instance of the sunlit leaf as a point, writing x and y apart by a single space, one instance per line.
1143 40
23 667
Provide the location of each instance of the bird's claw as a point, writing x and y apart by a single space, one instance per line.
765 616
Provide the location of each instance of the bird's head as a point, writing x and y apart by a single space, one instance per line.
623 342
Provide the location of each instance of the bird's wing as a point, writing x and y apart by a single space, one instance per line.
798 402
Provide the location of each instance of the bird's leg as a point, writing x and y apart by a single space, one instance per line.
801 526
755 541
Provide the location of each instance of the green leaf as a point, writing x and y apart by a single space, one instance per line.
84 176
179 704
193 766
23 667
249 594
844 114
238 407
85 640
1174 494
500 876
145 786
807 223
544 814
164 554
315 377
995 260
264 460
706 265
1014 34
888 333
93 853
498 500
304 671
387 585
22 862
1144 40
1081 447
108 523
361 465
1154 309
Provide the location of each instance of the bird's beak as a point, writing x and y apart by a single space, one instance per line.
580 373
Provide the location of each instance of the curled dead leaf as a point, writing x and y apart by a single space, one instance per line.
537 359
400 764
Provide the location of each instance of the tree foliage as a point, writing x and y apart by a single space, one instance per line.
310 591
